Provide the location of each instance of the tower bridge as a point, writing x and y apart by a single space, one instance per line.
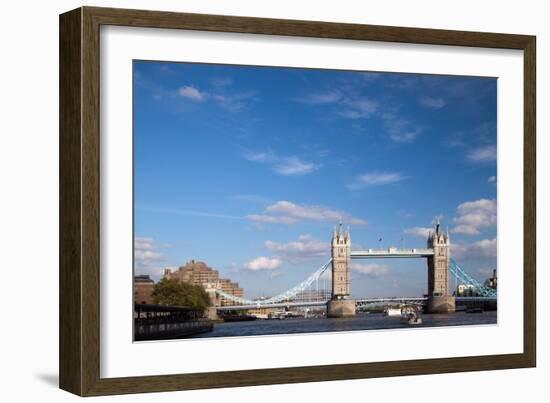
391 252
439 264
437 254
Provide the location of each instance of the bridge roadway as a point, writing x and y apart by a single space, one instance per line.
391 253
358 302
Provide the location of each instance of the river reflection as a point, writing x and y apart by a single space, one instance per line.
360 322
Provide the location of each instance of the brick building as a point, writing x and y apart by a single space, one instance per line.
143 288
199 273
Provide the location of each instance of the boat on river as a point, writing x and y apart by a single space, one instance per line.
392 311
411 315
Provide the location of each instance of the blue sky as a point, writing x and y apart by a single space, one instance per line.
249 169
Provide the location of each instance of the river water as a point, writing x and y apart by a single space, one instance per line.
360 322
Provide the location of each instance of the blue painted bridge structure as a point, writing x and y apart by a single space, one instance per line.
440 266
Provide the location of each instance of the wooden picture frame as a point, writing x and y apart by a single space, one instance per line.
80 199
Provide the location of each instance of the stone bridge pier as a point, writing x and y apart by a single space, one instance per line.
340 305
438 255
439 300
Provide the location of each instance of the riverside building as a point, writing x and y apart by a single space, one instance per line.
199 273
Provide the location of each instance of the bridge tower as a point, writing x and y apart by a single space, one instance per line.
439 300
340 305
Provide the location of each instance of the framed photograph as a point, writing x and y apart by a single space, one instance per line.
248 201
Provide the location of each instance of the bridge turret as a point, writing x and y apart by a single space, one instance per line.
341 254
438 271
340 305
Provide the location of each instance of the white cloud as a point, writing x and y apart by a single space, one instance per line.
484 249
270 219
465 229
147 257
249 198
350 106
483 154
400 130
359 108
422 232
370 269
263 263
306 247
144 244
286 212
485 271
432 103
375 179
192 93
175 211
260 157
294 166
165 69
403 137
320 98
232 102
222 82
484 133
473 216
437 219
492 179
287 166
